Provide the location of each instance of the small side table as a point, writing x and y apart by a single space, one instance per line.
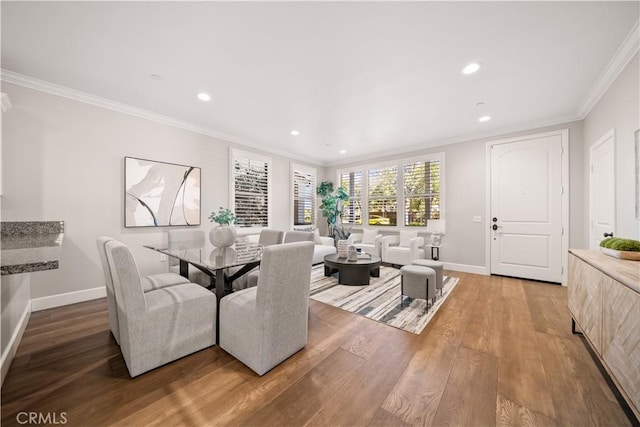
435 251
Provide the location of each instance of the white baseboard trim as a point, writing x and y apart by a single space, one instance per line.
68 298
466 268
12 347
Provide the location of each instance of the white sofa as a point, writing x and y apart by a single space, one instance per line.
369 241
402 249
326 246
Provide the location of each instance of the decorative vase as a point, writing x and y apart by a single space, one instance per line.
222 236
343 248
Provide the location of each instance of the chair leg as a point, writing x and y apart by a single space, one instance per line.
426 298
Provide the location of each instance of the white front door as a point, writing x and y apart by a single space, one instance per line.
602 189
526 208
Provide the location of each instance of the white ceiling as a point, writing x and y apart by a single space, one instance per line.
370 78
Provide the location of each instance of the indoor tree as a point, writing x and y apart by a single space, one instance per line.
331 208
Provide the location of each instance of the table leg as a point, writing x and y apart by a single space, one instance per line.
184 269
219 294
375 271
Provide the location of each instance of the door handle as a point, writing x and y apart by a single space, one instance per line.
494 227
608 234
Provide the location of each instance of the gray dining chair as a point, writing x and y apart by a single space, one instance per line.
161 325
267 237
264 325
270 237
187 239
149 283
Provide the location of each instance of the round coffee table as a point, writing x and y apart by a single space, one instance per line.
352 272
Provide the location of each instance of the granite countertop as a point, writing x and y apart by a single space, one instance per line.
29 246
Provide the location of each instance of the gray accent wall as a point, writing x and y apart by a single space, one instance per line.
64 159
618 109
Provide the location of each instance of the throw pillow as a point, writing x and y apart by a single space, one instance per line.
406 236
369 236
316 237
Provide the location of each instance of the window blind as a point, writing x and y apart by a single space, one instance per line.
352 209
251 191
422 192
383 203
304 197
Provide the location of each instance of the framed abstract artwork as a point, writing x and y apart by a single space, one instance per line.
159 194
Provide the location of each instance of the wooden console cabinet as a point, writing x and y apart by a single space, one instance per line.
604 301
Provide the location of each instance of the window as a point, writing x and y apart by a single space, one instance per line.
303 181
402 193
383 203
352 209
250 188
421 192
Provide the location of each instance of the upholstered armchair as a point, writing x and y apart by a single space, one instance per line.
149 283
161 325
264 325
369 241
402 249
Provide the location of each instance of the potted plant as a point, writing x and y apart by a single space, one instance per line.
331 208
224 234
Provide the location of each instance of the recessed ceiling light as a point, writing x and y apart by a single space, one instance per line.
204 97
471 68
295 132
484 119
343 151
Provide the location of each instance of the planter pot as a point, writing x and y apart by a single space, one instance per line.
634 256
222 236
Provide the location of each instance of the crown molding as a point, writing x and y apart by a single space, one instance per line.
87 98
625 53
470 137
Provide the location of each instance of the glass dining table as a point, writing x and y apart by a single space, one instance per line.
222 265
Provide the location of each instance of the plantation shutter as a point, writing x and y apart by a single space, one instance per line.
251 179
352 209
422 192
304 197
383 203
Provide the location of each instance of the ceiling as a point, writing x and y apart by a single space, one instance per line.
370 78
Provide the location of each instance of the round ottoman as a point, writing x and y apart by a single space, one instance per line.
419 282
437 266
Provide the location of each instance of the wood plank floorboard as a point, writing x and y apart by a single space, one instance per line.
498 352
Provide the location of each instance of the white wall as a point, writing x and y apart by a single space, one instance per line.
465 183
618 109
63 160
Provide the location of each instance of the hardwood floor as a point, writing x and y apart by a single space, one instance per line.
499 352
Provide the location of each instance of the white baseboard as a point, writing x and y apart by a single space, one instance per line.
12 346
68 298
465 268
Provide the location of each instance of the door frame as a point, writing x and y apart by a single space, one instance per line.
564 137
610 134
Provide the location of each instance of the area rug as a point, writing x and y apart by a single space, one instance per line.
380 300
